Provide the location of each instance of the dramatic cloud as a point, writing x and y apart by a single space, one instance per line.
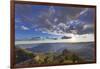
54 19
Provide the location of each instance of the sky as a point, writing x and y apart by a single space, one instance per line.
52 21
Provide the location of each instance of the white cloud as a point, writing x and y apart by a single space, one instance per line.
51 10
63 25
49 22
36 29
17 20
85 10
55 20
82 12
87 26
43 32
24 28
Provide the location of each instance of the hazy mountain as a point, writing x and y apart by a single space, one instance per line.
85 50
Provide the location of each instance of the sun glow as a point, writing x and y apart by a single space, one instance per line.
73 39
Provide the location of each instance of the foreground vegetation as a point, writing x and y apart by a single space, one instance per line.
25 57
